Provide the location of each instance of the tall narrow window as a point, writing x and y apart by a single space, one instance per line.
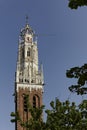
28 52
34 101
23 53
26 100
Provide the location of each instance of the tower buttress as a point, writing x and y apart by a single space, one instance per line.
29 79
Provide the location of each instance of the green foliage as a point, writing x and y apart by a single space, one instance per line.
35 121
79 73
15 117
61 116
64 116
36 113
74 4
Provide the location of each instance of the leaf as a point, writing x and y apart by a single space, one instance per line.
12 114
13 120
52 104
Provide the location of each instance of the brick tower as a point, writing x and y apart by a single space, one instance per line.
29 78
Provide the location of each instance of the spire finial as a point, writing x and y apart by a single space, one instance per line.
27 19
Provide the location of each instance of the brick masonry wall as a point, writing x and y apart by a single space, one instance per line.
20 106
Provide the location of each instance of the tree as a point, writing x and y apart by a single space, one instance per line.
35 121
67 116
74 4
61 116
79 73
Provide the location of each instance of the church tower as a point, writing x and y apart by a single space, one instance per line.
29 76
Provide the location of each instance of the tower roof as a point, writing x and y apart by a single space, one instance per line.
27 29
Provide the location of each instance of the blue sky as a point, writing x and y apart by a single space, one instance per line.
62 43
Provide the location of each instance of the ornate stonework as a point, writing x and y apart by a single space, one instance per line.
29 79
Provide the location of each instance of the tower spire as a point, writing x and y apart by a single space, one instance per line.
27 19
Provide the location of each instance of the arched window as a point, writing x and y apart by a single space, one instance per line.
36 101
